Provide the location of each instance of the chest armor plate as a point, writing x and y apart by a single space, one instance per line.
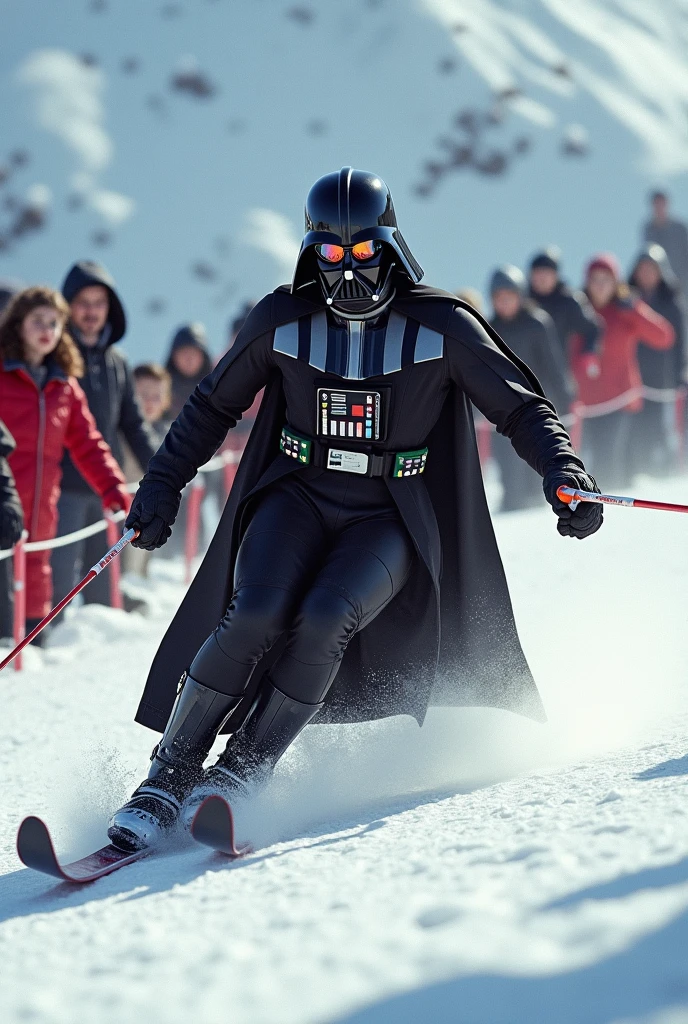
356 349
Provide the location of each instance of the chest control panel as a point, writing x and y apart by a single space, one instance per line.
354 415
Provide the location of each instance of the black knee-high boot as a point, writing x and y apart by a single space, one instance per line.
176 766
272 725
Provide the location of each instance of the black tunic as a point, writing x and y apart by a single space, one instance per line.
449 637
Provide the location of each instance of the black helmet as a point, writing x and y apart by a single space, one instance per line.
346 208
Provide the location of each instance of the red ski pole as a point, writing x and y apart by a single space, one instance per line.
90 575
572 497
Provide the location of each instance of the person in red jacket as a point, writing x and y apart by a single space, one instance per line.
610 399
47 412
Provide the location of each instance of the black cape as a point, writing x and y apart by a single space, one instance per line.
449 637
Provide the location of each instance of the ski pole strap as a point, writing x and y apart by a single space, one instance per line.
572 496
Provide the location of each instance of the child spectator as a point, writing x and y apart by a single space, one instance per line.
47 412
11 526
153 389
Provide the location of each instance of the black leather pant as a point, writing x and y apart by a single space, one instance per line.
323 554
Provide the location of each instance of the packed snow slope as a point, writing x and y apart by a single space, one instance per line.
483 869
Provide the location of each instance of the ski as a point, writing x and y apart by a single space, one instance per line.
36 851
213 826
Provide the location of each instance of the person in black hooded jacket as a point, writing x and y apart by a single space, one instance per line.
188 363
97 323
571 311
662 371
530 333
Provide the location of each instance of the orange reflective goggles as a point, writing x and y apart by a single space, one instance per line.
361 251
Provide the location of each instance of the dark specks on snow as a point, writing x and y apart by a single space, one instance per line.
301 14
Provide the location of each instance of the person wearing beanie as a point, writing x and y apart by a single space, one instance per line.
671 234
570 310
188 363
662 371
97 323
610 401
530 334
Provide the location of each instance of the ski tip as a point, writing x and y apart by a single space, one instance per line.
34 844
213 826
32 832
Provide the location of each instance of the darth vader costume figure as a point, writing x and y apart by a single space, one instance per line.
354 573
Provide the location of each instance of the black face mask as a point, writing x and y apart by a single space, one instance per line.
357 289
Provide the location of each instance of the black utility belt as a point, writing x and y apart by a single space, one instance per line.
311 452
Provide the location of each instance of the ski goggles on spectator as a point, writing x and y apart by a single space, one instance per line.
361 251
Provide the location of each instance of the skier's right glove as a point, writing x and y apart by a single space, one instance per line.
153 512
586 518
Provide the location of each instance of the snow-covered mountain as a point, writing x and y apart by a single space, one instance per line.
177 140
484 869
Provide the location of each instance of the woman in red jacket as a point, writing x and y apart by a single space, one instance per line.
612 396
46 410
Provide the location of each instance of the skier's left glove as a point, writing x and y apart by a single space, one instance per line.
586 518
153 512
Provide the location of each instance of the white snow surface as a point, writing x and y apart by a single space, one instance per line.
484 869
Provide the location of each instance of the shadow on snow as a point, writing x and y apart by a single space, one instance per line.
647 976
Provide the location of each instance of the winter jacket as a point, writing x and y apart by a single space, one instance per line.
107 384
44 423
189 336
673 238
11 513
531 335
662 371
627 323
572 314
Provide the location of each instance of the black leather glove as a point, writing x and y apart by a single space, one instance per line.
586 518
153 511
11 524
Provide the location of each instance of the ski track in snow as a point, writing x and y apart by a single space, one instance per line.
484 869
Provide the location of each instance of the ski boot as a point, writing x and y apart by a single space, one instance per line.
177 766
250 757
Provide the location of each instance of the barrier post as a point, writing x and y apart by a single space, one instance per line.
113 536
680 423
19 570
193 523
228 473
484 437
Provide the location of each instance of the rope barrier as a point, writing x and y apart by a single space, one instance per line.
225 462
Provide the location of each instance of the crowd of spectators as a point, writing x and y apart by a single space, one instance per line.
611 356
77 423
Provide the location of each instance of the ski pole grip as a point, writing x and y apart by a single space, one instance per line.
566 494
